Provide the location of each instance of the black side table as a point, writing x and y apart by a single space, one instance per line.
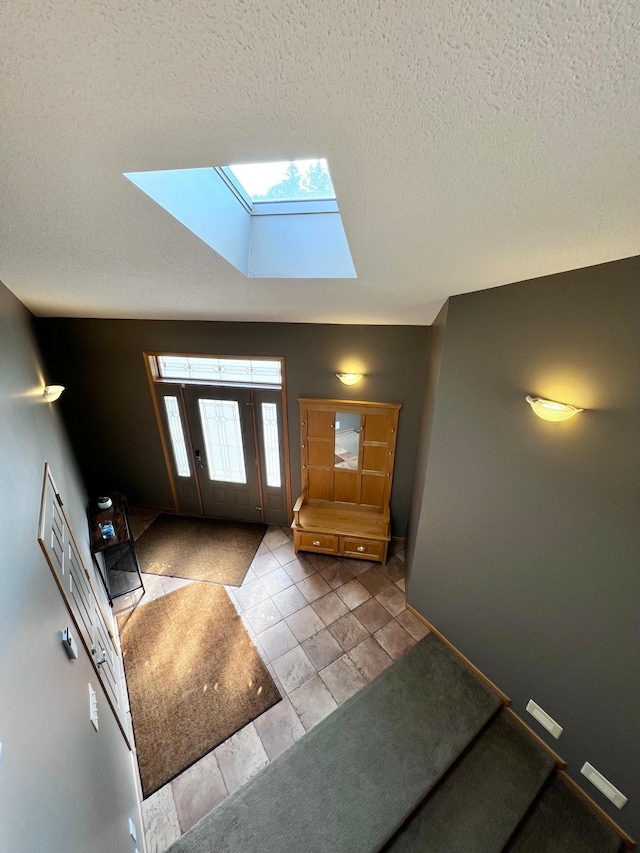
121 573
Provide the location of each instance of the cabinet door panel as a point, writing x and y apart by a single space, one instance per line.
320 424
320 452
320 484
374 457
372 493
345 486
377 427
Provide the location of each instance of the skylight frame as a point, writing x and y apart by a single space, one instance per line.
270 207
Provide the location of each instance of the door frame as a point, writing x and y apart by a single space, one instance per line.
154 379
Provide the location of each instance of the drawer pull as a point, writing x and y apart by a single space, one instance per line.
316 543
361 548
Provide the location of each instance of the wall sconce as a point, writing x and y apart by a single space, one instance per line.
52 392
550 410
349 378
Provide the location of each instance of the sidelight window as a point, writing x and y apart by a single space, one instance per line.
271 444
176 432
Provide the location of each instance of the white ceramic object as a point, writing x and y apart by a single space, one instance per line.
104 503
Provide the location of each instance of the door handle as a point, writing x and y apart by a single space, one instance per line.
199 462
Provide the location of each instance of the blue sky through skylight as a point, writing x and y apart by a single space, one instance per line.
293 180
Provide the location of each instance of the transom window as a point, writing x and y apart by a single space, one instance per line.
243 372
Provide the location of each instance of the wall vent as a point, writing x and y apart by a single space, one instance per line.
544 719
603 785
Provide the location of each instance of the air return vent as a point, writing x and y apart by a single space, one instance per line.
603 785
544 719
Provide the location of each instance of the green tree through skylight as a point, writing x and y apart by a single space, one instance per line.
293 181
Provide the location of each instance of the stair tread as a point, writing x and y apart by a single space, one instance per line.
479 803
350 782
561 821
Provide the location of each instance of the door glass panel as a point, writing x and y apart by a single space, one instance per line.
176 431
223 440
271 444
347 441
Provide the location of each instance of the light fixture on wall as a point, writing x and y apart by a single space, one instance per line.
52 392
551 410
349 378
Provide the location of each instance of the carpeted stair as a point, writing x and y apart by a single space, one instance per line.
422 759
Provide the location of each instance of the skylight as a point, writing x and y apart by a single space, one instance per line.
285 180
270 220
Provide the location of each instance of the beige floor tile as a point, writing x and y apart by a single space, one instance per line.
370 658
277 640
274 538
305 623
393 599
289 600
322 649
336 574
312 702
160 818
241 757
262 549
293 669
356 567
249 577
353 593
276 581
313 587
198 790
319 560
342 679
348 631
395 569
263 616
394 639
171 584
284 553
402 584
372 615
278 728
414 626
330 607
264 564
250 595
374 580
299 569
276 680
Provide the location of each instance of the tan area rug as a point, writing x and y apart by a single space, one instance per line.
202 549
194 678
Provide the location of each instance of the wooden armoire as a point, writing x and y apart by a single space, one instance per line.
347 455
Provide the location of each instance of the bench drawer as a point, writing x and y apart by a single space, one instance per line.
367 549
324 543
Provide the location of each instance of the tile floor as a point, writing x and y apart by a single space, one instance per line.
324 626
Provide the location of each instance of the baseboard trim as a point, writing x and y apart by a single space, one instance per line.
628 843
398 540
560 762
503 696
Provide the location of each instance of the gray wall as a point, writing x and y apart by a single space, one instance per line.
527 554
63 786
108 407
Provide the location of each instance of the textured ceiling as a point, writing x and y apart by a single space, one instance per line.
470 144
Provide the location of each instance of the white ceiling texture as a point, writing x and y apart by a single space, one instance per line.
471 144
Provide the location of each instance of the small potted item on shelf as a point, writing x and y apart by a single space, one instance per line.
105 502
108 530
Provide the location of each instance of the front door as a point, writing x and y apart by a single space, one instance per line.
224 450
